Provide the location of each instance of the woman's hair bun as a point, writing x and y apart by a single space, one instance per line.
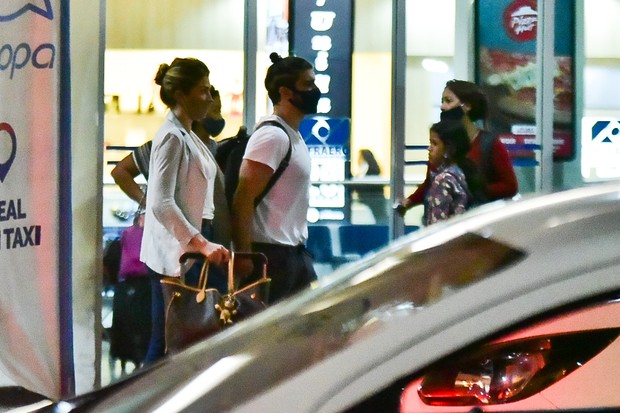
275 58
161 72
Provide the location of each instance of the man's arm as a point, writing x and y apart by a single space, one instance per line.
253 178
123 174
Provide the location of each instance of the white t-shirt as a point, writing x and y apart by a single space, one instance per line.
210 166
280 218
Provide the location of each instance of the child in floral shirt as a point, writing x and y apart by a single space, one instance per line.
455 178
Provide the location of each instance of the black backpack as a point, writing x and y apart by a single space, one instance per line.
229 156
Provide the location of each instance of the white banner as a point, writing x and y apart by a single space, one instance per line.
31 335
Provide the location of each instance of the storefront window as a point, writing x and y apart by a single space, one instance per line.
141 35
600 125
430 45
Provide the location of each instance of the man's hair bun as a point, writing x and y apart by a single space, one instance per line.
275 58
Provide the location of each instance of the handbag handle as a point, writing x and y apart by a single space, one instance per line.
231 275
202 281
231 264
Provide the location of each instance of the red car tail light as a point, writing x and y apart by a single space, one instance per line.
507 372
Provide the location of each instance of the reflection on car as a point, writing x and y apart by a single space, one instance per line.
512 306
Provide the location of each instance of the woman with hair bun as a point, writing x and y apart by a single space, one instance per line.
277 224
181 183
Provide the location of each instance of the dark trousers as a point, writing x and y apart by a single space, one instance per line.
289 267
157 343
131 320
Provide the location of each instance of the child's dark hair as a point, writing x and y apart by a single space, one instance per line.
182 74
283 72
456 141
471 94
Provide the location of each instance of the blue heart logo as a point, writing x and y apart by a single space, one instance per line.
4 167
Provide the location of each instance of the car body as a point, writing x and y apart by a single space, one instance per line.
465 298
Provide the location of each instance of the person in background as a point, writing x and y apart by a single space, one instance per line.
454 179
371 194
182 176
464 101
277 226
127 169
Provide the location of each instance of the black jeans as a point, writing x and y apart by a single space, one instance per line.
289 267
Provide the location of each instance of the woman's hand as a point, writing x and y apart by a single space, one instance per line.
215 253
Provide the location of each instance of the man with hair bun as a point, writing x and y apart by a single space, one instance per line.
277 225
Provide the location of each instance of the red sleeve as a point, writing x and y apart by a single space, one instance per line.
417 197
504 181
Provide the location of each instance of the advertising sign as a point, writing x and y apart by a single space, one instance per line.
322 33
30 307
328 142
506 69
600 148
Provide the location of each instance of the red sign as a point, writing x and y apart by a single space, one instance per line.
521 20
524 146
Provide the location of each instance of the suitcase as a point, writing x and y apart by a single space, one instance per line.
130 332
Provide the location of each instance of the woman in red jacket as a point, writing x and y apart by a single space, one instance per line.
464 100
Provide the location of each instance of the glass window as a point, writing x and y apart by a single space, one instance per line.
140 36
430 45
600 132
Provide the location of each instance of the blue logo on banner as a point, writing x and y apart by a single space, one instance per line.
16 57
4 167
605 131
321 130
45 10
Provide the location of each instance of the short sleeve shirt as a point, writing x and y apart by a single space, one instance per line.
141 156
280 218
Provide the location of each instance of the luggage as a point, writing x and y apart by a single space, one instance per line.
131 320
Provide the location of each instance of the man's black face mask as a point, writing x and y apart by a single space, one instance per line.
213 126
307 100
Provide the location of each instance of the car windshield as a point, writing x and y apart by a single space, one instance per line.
346 307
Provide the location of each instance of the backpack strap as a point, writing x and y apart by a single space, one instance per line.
486 152
283 164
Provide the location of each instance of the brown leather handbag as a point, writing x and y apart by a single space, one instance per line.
195 313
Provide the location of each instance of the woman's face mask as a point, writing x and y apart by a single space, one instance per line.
456 113
307 100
